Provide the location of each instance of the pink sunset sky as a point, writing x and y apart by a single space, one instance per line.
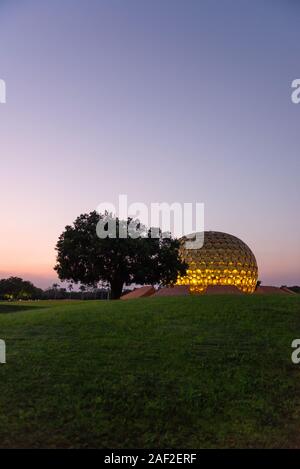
162 101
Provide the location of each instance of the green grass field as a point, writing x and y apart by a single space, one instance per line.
189 372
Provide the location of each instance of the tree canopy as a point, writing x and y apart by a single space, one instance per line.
14 288
84 257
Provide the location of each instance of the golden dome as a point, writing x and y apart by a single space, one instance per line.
222 260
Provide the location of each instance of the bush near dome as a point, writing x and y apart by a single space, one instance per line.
223 260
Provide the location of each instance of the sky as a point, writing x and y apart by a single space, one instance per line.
162 100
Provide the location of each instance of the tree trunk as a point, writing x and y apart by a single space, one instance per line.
116 287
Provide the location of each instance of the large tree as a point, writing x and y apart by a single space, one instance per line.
84 257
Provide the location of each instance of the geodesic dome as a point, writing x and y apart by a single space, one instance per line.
222 260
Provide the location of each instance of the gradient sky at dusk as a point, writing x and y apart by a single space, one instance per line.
163 100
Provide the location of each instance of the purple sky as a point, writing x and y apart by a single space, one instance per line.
185 101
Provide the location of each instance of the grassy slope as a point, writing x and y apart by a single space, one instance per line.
196 372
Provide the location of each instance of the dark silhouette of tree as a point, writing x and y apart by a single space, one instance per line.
83 257
55 287
82 288
70 288
15 288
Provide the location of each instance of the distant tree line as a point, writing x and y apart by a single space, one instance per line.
15 288
85 292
